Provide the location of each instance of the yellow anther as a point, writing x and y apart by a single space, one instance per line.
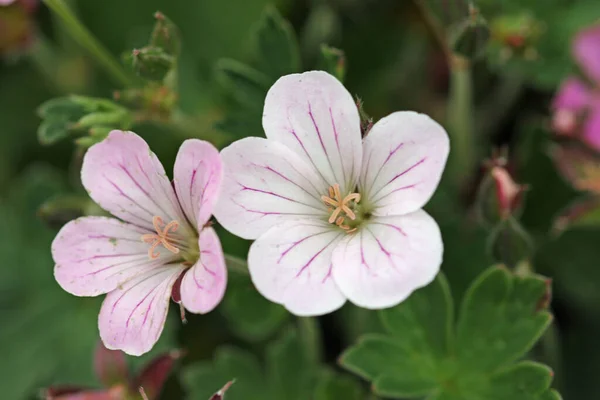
161 237
337 205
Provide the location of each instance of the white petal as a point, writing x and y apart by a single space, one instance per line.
197 178
315 116
94 255
203 285
126 179
132 317
404 157
386 260
264 184
291 265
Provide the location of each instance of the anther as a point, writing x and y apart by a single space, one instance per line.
161 237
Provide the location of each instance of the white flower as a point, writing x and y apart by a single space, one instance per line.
335 217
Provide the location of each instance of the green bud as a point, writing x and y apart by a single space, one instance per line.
165 35
333 61
61 106
509 243
469 37
152 63
60 209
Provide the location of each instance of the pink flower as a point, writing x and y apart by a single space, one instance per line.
577 104
159 245
335 217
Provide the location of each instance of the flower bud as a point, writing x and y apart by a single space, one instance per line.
165 35
499 195
578 164
152 63
110 366
509 243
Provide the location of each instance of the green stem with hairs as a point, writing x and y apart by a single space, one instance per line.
236 264
85 39
461 119
310 335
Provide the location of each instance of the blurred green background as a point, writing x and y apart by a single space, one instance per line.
392 61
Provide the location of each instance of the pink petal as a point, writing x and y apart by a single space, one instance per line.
315 116
125 178
203 285
154 375
404 157
291 265
94 255
586 50
572 95
197 179
591 127
114 393
132 317
110 366
385 261
264 184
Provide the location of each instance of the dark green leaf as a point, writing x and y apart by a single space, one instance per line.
245 84
53 130
333 61
277 49
335 386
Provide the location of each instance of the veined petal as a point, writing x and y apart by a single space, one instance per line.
203 285
315 116
572 95
94 255
586 50
385 261
264 184
291 265
404 157
132 316
197 179
125 178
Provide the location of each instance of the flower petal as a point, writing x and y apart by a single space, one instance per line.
586 50
264 184
126 179
315 116
572 95
404 157
197 179
591 128
203 285
132 317
383 263
94 255
291 265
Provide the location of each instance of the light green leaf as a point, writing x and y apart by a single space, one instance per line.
53 130
335 386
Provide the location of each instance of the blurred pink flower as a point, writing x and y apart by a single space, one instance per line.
159 246
6 2
576 106
335 217
111 369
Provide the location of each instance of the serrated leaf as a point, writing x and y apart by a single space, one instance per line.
249 314
247 85
501 317
277 48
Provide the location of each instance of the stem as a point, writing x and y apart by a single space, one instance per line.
236 264
310 334
460 118
85 39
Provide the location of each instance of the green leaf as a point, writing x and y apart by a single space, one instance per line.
287 374
422 355
334 386
248 313
63 106
53 130
501 318
277 48
420 330
245 84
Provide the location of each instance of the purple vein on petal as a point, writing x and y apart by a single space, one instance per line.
305 266
294 244
275 195
337 143
392 152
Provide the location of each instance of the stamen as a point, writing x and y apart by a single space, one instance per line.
161 237
336 206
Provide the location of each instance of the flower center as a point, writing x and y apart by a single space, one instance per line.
163 236
342 209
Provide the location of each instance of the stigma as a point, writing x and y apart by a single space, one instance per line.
341 208
161 237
